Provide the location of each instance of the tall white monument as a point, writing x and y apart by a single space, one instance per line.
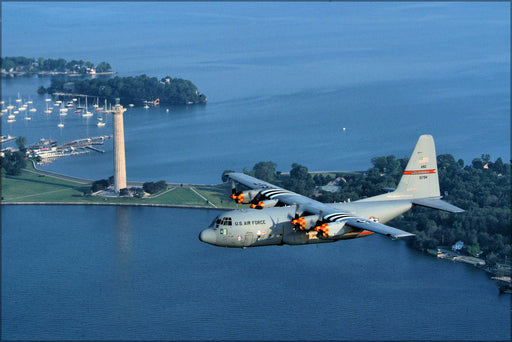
119 158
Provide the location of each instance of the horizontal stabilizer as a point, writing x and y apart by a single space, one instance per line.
377 227
437 203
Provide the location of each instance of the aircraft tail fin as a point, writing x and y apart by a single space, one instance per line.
420 178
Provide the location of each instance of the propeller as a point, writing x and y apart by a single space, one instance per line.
234 194
321 225
298 221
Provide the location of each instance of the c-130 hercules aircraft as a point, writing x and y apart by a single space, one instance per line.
292 219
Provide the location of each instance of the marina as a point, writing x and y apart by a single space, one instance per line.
48 150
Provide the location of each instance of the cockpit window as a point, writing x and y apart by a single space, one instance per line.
225 221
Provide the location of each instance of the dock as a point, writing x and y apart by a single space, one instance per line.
50 152
6 139
95 149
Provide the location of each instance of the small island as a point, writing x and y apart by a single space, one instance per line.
131 90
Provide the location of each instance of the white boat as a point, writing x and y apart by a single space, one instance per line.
101 124
104 109
47 111
60 125
63 111
86 113
11 120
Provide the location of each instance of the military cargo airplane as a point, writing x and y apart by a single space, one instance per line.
285 217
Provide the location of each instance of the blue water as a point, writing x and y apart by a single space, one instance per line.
282 80
141 273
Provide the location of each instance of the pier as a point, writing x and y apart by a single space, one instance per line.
49 150
6 139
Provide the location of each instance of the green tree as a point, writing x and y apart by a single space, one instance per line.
100 185
13 162
300 180
103 67
265 171
20 142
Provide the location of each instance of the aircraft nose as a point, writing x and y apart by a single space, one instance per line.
208 236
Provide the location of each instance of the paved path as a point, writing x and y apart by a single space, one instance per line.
59 176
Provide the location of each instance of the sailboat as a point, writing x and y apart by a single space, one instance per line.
96 106
10 106
101 123
86 114
105 109
60 124
47 111
63 110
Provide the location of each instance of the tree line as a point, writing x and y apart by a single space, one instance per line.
32 65
482 189
138 192
137 90
12 162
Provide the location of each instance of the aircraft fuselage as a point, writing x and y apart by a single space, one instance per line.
269 226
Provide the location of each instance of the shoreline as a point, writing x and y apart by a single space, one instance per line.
176 206
52 73
178 196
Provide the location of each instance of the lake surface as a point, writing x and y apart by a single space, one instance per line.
282 81
141 273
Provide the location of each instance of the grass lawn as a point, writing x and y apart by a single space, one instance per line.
33 188
29 187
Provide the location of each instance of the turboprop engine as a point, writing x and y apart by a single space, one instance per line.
245 197
265 204
330 229
305 222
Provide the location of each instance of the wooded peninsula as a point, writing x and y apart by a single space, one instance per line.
20 66
136 90
130 90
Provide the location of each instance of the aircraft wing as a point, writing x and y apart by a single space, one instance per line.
377 228
314 207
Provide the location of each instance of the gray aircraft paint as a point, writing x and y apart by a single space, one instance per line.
244 228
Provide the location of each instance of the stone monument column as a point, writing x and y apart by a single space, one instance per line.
119 158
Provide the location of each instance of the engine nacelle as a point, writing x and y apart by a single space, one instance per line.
245 197
330 230
305 222
265 204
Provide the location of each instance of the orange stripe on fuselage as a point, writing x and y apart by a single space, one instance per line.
419 172
358 234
